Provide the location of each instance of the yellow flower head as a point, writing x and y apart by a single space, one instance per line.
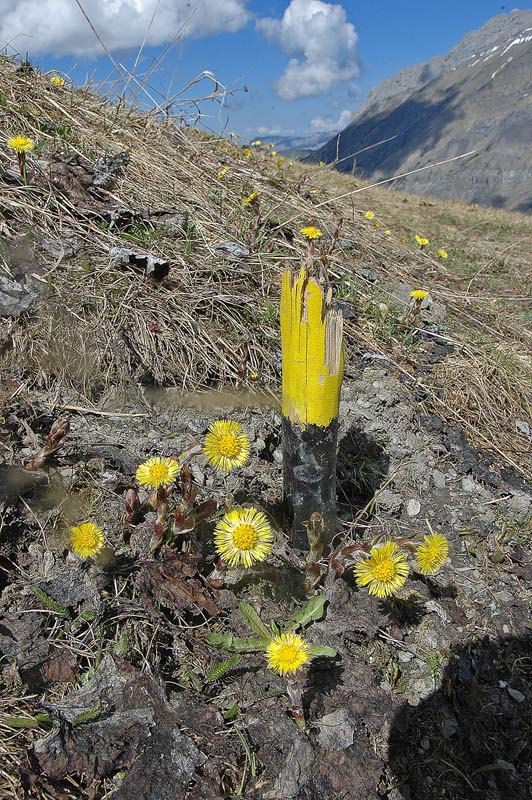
158 471
273 153
86 540
58 81
256 143
286 653
243 536
279 163
384 572
314 190
369 215
419 294
246 152
421 240
226 445
377 224
387 232
222 173
431 555
22 144
250 199
311 233
443 253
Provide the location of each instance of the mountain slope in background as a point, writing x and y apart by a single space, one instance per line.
478 97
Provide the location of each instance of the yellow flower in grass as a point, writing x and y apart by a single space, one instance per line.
243 536
250 199
421 240
387 232
311 233
419 294
86 539
21 144
431 555
384 572
256 143
158 471
246 152
369 215
377 224
222 173
286 653
58 81
279 163
443 253
226 445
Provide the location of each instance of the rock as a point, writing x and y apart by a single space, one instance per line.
432 605
234 250
439 479
523 427
368 274
19 288
389 501
518 696
413 507
154 266
336 730
468 484
106 168
64 246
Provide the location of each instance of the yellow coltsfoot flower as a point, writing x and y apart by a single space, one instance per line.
443 253
384 572
243 536
222 173
250 199
286 653
226 445
21 144
57 81
158 471
369 215
432 553
311 232
419 294
86 539
421 240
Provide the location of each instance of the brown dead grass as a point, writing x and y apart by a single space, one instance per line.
93 331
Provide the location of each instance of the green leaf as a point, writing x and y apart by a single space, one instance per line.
231 713
217 672
316 650
227 641
87 716
311 611
26 722
254 621
52 605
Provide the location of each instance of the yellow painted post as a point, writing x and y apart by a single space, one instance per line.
313 361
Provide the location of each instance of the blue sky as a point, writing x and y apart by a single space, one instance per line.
303 71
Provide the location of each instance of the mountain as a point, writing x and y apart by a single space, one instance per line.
477 97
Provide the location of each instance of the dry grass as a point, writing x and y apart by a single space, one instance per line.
94 331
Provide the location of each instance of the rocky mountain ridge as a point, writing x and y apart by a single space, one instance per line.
478 97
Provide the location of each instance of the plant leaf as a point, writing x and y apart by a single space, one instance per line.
217 672
252 618
311 611
316 650
229 642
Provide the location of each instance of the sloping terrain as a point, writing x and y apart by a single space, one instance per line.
472 100
139 296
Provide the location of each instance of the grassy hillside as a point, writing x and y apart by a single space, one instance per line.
140 272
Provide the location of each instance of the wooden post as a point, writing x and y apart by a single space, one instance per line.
313 362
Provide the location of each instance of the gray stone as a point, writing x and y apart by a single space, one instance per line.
518 696
439 479
389 501
468 484
336 730
413 507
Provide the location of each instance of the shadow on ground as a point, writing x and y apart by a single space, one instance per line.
362 466
472 738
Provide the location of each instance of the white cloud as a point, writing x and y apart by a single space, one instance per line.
327 124
58 26
322 44
263 130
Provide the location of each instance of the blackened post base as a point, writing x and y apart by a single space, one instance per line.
309 473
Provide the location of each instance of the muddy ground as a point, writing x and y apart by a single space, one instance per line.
428 698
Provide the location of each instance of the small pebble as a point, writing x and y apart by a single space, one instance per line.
413 507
